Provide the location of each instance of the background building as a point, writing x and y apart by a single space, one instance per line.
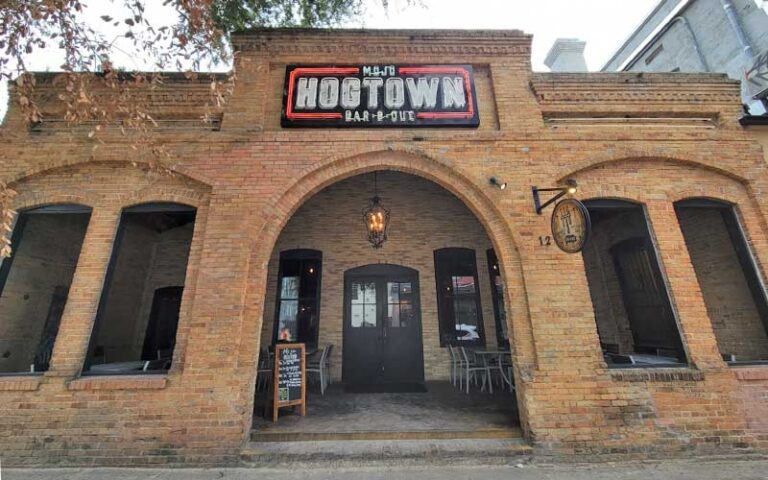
729 36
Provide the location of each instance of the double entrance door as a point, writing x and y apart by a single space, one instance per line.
382 327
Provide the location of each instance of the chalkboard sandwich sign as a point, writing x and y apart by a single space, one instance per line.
289 382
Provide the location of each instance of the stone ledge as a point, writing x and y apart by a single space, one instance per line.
657 375
20 383
751 373
119 382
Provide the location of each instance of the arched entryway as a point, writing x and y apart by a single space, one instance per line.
397 318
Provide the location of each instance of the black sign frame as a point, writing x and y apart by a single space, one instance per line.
406 117
278 401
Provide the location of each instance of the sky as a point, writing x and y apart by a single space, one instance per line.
603 24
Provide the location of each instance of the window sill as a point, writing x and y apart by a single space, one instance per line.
656 373
119 382
20 382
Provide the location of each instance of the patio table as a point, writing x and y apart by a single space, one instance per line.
487 356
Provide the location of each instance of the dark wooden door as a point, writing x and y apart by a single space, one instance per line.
645 297
160 336
382 327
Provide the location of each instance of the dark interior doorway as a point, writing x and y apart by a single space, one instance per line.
642 286
382 330
160 337
135 326
635 319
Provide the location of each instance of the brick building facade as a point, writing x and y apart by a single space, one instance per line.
657 148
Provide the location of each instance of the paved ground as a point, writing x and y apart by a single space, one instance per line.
441 407
677 470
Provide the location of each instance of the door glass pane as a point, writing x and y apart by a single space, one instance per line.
463 285
310 270
289 288
393 289
465 311
287 328
406 314
500 305
363 308
369 293
358 316
307 320
399 309
290 267
393 315
370 315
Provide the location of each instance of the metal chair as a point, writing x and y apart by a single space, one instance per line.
264 371
503 365
321 367
456 365
472 366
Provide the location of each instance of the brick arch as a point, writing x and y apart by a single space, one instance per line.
712 182
176 188
612 197
308 183
171 195
22 176
585 165
31 199
281 208
717 199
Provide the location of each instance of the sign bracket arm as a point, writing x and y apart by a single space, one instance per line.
537 199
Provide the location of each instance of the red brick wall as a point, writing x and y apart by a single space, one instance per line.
250 178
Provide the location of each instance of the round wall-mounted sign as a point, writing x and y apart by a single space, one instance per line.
570 225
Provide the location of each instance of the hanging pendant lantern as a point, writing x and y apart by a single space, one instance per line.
376 218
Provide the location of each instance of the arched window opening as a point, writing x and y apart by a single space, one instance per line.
35 282
730 282
635 319
138 315
297 313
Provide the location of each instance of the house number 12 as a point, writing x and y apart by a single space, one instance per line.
545 241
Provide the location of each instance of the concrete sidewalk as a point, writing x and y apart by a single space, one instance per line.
667 470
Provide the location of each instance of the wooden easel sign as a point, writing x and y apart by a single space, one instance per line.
289 381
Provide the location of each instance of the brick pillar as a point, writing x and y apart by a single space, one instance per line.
84 294
695 325
562 317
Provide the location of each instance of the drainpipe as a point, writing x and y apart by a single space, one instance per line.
733 18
